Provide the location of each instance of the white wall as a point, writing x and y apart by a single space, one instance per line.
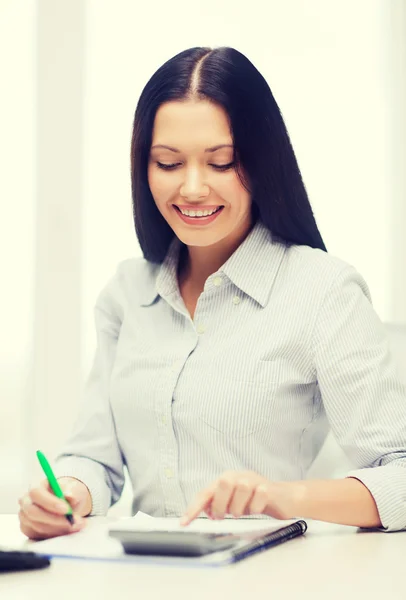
17 231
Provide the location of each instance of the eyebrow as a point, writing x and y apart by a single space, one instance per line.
213 149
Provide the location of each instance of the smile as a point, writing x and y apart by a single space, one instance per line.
202 216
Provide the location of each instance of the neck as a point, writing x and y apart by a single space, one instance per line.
197 263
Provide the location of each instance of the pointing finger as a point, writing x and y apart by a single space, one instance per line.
201 502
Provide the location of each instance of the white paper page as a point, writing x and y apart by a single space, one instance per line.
91 542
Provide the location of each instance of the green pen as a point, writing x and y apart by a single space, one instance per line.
53 482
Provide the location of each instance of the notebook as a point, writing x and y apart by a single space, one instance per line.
95 543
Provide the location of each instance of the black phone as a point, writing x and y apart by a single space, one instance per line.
18 560
173 543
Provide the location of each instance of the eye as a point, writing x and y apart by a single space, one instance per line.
165 167
217 167
223 167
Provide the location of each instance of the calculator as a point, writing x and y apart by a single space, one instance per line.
173 543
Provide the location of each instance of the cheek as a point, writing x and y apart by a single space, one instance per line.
233 187
159 187
237 195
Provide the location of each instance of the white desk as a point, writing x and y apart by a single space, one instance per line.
330 562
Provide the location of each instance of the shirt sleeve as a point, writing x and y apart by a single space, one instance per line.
363 394
92 453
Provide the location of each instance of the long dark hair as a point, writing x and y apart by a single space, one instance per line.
265 161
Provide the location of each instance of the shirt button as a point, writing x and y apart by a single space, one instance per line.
168 473
164 420
236 300
217 281
201 328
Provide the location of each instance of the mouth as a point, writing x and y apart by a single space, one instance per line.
198 217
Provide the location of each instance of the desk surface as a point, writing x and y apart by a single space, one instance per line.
329 562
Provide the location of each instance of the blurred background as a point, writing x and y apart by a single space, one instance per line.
71 74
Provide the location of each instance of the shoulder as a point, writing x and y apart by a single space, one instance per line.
323 271
132 281
137 272
312 260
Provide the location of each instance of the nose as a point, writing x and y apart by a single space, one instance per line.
193 186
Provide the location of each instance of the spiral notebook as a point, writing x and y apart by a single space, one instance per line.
95 543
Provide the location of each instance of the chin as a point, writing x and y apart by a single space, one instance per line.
200 238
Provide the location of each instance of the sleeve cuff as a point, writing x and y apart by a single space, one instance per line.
387 485
91 474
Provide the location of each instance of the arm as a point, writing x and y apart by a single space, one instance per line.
92 453
345 501
365 402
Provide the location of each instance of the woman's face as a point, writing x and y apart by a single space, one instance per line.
196 180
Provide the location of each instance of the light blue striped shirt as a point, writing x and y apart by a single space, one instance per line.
283 345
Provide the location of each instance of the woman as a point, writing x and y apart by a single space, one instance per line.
224 355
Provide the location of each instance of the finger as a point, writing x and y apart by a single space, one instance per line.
243 493
26 528
67 484
25 500
259 500
208 512
68 487
43 530
71 491
38 531
37 515
48 501
200 503
222 497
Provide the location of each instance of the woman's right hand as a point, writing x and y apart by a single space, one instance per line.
42 513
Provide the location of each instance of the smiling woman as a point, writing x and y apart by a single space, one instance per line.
227 352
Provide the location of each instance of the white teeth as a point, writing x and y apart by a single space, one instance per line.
198 213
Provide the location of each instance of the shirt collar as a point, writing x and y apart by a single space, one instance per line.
252 267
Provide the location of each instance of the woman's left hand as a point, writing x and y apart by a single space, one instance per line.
244 493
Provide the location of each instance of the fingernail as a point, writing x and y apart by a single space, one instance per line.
184 520
61 506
